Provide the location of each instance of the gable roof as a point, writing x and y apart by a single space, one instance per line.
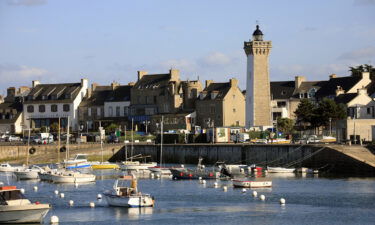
282 89
345 98
97 97
330 87
152 81
58 90
221 89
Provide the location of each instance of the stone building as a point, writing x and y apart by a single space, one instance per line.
11 117
258 105
46 103
221 104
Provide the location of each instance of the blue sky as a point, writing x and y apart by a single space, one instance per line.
109 40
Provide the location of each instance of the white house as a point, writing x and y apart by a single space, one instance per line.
46 103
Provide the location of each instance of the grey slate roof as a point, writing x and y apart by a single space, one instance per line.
330 87
221 89
121 93
282 89
57 90
152 81
345 98
97 97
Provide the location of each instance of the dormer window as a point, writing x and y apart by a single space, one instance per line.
54 97
67 96
202 95
214 94
30 97
44 97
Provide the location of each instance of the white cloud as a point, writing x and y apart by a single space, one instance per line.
216 59
26 2
363 53
19 73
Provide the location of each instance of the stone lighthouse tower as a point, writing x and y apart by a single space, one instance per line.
258 97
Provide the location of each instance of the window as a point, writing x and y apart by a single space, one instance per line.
369 110
42 108
30 108
110 111
125 110
98 112
234 110
53 108
66 107
117 111
281 104
89 111
276 115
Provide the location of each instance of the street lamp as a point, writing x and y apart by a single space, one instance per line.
330 126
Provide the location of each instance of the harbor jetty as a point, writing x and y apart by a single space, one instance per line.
334 158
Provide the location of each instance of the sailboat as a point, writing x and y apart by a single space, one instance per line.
28 173
160 169
103 165
66 176
135 165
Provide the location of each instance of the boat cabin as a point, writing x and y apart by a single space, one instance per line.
9 195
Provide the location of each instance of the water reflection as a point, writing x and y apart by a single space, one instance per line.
131 213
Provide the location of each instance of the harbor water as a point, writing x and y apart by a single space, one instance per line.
309 200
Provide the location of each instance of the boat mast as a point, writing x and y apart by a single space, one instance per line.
131 150
101 138
126 147
161 140
67 142
27 150
58 148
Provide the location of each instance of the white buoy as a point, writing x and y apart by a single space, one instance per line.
56 192
157 175
92 205
203 181
216 185
54 219
243 190
203 166
62 195
225 188
200 178
255 193
262 197
152 175
282 201
22 191
71 202
35 188
242 170
99 196
76 185
182 165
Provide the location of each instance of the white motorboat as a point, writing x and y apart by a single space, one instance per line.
16 208
72 177
160 170
28 173
124 196
79 161
253 183
6 167
280 170
138 166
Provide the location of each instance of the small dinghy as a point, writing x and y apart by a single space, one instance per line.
280 170
28 173
253 183
125 196
6 167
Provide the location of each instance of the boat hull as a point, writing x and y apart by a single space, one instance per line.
131 201
104 166
280 170
193 174
252 184
141 166
73 179
26 175
23 214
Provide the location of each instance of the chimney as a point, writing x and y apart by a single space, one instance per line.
114 85
366 75
362 91
233 82
131 84
332 76
11 92
298 81
35 83
93 86
208 82
141 74
339 91
175 74
84 83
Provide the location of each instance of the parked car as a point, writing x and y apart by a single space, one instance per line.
13 138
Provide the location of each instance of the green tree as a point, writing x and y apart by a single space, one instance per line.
111 128
54 127
285 125
328 109
43 129
358 70
305 112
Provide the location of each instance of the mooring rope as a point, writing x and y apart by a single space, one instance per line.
304 158
283 156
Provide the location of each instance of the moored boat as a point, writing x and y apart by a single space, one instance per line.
6 167
104 165
72 177
125 196
79 161
28 173
16 208
307 170
253 183
280 170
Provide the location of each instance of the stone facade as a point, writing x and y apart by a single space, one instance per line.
258 105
